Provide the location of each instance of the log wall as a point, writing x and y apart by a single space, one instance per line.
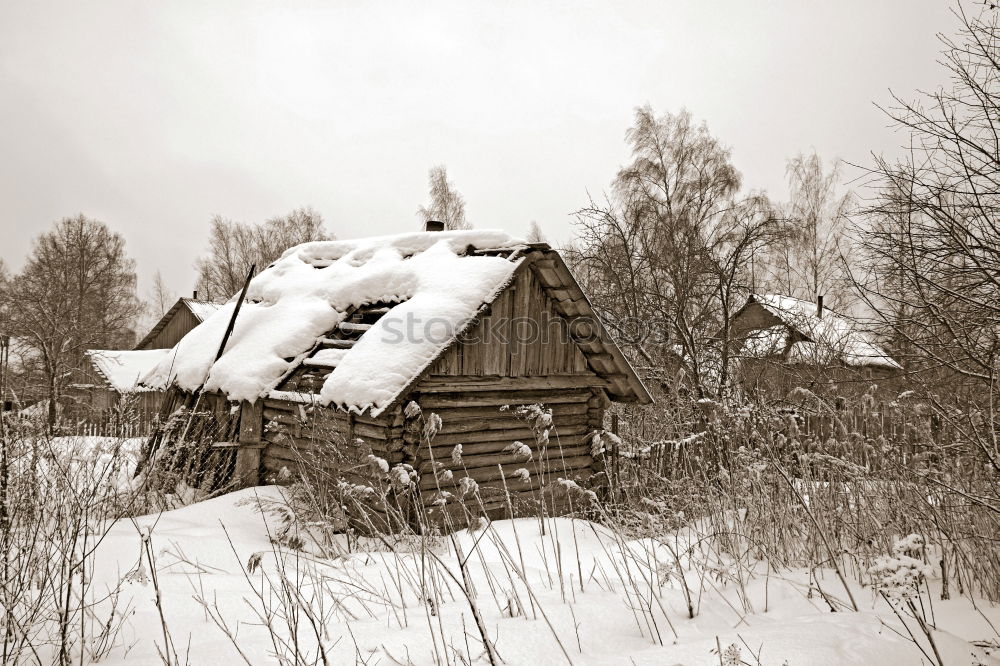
326 438
474 416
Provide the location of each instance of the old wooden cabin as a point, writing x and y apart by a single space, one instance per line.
783 343
339 342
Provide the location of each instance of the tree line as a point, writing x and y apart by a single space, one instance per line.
675 239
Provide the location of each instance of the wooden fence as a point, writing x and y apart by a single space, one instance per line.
902 426
137 427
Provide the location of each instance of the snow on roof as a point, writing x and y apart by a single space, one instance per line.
436 284
811 353
852 345
202 310
124 369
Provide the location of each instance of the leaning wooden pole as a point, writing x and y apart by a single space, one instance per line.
232 319
191 401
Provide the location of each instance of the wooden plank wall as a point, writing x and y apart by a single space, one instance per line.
494 348
178 326
326 438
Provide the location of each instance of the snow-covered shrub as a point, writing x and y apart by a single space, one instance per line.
899 575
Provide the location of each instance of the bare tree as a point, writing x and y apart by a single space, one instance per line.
932 238
535 234
4 293
447 204
76 292
235 246
809 261
672 242
746 229
161 297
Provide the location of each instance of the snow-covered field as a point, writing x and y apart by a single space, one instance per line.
563 596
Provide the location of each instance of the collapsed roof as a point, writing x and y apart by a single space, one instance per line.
436 280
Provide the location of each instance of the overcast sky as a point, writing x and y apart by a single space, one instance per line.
154 119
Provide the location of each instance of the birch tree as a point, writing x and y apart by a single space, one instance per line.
810 259
77 291
671 243
447 204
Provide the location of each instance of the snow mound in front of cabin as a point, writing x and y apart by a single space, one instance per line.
436 284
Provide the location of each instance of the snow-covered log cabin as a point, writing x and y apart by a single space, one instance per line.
338 343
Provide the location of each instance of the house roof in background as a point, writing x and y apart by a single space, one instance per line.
201 310
843 336
122 369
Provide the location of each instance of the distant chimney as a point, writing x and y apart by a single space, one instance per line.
433 225
819 305
194 294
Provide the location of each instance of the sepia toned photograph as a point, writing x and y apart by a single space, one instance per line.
499 333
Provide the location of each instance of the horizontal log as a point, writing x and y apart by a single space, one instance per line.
341 417
316 457
510 422
484 474
376 445
286 418
485 399
457 414
305 442
280 405
449 384
336 343
314 472
552 460
319 363
439 452
524 434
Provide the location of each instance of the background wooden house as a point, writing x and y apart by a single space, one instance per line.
176 322
339 343
782 343
106 392
106 396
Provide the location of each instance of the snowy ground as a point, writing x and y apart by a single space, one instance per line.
369 606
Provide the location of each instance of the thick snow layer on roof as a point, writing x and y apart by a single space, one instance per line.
307 292
124 369
837 333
